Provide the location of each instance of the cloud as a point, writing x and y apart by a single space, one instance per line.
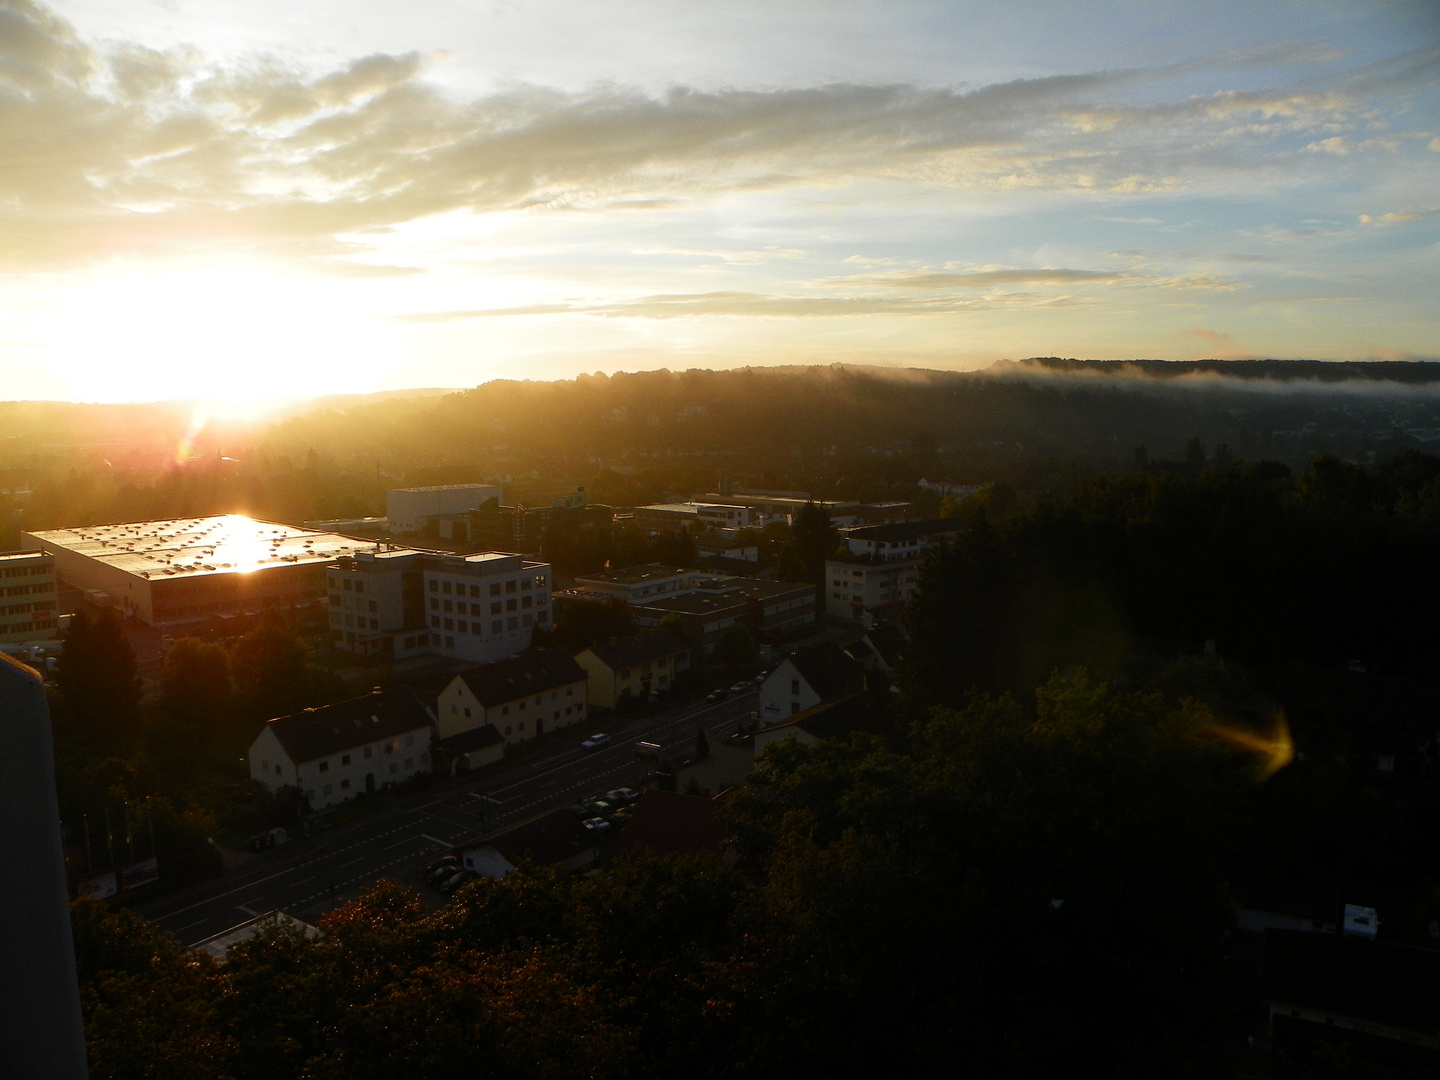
1336 144
984 279
752 305
128 150
1397 217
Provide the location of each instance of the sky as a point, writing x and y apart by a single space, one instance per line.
278 199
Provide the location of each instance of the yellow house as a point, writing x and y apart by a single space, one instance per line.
633 667
521 697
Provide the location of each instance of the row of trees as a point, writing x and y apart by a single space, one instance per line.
113 748
993 892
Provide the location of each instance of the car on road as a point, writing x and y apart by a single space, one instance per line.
596 825
760 680
741 686
717 695
622 796
595 742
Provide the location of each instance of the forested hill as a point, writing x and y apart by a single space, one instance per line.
837 431
1410 372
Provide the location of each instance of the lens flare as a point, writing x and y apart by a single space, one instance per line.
185 449
1276 748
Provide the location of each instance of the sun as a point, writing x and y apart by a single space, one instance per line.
234 336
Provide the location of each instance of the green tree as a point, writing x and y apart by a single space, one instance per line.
735 646
99 685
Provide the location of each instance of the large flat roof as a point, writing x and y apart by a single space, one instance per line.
193 547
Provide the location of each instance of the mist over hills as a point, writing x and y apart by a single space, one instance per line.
836 431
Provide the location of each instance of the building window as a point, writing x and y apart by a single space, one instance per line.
345 759
495 589
507 729
794 686
505 711
369 750
794 707
526 601
449 642
329 788
462 626
434 586
434 604
394 768
510 585
495 627
525 585
539 581
324 766
449 624
434 622
445 587
495 608
474 591
449 605
344 785
510 605
277 771
477 609
467 711
525 619
374 605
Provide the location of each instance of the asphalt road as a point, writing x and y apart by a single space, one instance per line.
308 877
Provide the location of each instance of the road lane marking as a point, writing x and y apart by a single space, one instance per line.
433 840
249 911
231 892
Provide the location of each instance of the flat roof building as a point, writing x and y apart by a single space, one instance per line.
187 569
409 510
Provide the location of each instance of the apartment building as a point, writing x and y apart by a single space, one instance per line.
334 753
406 602
27 596
868 591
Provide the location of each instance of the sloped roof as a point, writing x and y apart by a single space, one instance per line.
333 729
1368 980
516 676
546 840
469 741
647 648
888 641
666 821
830 673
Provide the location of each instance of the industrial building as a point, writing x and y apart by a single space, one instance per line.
188 569
410 510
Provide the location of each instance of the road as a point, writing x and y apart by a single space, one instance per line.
308 877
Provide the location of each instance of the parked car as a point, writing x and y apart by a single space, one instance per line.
443 869
595 742
453 882
717 695
596 825
600 808
622 796
760 680
741 686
